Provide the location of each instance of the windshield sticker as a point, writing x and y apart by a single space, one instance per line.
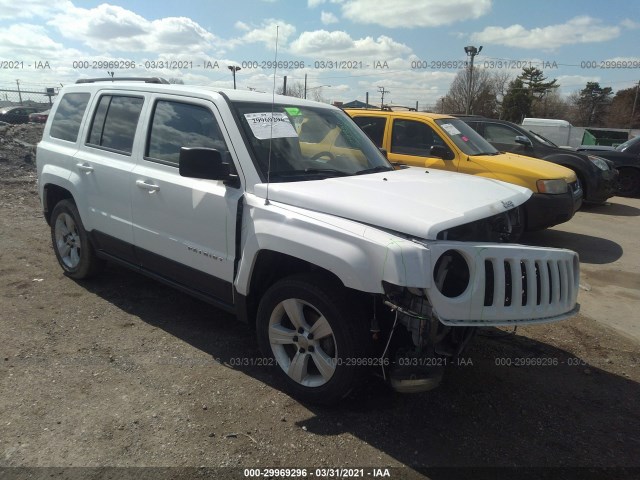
267 125
293 111
450 129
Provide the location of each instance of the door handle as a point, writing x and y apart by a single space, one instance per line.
150 187
85 167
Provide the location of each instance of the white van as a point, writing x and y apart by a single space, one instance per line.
560 132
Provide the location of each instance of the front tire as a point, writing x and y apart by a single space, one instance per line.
629 182
71 244
305 324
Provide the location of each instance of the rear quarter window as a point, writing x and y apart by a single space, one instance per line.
68 117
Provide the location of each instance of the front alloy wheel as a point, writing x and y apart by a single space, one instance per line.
306 324
303 342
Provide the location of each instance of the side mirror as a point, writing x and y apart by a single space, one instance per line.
440 151
522 140
205 163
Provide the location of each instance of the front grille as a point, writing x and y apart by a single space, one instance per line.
509 284
526 283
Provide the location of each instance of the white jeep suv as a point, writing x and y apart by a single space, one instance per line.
283 212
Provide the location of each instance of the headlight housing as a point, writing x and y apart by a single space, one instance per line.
552 187
599 162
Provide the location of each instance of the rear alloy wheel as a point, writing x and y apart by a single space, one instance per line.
305 325
629 182
71 243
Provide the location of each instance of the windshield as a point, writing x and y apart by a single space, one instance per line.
307 143
623 146
465 137
542 139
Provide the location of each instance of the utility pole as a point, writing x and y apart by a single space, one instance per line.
471 51
633 110
382 92
19 93
284 86
305 85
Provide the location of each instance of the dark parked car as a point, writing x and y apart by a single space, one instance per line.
40 117
597 175
626 158
16 114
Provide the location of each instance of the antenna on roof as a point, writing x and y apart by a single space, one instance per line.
273 101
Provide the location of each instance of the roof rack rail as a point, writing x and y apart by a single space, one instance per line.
124 79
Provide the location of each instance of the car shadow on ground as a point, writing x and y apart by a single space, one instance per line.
611 208
595 250
494 408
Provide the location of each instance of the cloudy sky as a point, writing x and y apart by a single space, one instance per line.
412 48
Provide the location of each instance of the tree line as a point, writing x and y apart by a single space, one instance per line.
495 94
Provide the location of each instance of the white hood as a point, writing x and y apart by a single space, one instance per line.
413 201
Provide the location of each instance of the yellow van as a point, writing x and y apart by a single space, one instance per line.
429 140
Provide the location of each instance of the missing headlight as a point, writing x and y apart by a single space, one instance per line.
451 274
503 227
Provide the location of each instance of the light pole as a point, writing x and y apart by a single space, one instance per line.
234 69
471 51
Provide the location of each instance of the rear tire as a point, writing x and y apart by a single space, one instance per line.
314 337
71 243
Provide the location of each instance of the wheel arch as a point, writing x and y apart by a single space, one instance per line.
52 194
580 165
271 266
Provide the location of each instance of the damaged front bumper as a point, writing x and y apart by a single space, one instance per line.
475 285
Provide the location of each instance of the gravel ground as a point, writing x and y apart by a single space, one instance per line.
121 371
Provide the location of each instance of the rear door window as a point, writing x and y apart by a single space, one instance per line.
114 123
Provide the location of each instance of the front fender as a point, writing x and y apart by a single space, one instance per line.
361 256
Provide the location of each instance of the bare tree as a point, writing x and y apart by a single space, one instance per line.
296 89
552 105
483 94
500 80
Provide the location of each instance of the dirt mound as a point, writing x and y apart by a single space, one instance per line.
18 150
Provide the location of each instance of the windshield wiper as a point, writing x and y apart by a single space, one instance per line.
379 168
313 171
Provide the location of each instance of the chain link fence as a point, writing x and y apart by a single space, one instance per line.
17 103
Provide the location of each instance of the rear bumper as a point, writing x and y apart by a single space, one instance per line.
544 210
